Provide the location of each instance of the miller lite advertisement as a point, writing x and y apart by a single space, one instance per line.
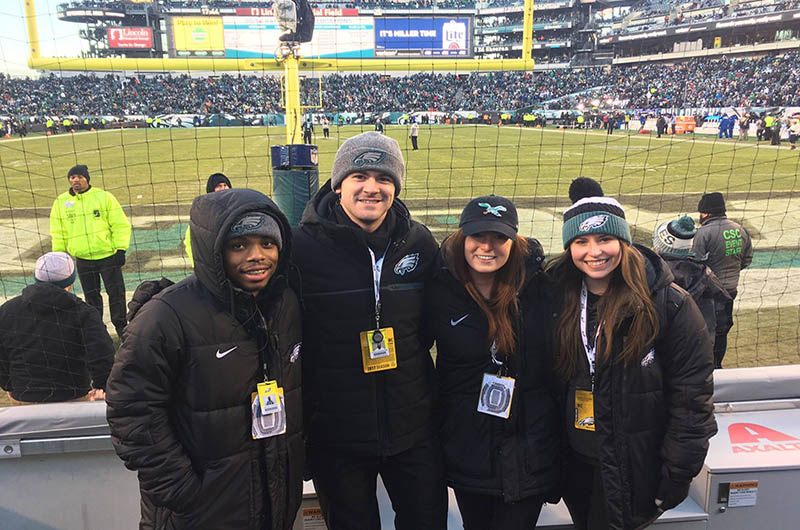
127 37
423 37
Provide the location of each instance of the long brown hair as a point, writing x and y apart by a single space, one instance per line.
501 306
627 296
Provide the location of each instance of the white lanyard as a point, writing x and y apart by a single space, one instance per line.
590 350
377 267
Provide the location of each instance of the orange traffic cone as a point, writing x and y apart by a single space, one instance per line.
6 136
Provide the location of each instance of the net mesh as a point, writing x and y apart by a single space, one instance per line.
152 139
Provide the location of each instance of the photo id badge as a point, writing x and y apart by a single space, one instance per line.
496 395
377 350
584 410
268 425
268 397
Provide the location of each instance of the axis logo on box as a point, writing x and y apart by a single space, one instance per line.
755 438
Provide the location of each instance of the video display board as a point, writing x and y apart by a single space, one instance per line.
423 37
197 37
130 38
340 36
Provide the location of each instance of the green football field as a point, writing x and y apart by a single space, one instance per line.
155 174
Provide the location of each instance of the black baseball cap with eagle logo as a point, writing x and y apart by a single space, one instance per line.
490 213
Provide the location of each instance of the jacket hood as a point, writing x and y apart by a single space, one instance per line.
43 297
210 219
534 262
319 213
659 275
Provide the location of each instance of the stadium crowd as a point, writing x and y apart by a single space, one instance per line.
699 82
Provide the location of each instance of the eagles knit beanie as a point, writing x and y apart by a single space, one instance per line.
216 179
257 224
80 169
56 268
592 213
369 150
711 203
675 237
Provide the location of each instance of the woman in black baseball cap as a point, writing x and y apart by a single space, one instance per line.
498 424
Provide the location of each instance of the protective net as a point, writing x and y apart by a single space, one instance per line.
661 101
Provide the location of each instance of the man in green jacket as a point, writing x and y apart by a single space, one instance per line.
89 224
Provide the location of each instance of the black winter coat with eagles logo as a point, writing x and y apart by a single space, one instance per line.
654 418
512 458
179 394
381 413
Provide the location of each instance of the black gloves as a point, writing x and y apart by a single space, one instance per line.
144 292
671 493
119 257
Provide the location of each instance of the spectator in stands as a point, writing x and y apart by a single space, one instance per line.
363 263
90 225
204 399
727 248
55 346
483 309
626 340
672 240
215 182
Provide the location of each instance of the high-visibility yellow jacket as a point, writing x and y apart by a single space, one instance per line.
90 225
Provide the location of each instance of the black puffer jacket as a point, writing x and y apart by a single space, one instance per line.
700 281
381 413
179 395
55 347
514 458
653 418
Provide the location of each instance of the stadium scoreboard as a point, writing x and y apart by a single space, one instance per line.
338 33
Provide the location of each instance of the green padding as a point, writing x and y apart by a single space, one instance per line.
292 189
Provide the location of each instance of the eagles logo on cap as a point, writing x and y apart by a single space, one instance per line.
248 223
595 221
494 210
369 157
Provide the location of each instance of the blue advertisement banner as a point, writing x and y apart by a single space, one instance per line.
423 36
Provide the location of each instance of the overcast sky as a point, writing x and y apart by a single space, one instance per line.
56 38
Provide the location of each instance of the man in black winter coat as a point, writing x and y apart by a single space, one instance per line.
55 347
369 389
204 399
673 242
